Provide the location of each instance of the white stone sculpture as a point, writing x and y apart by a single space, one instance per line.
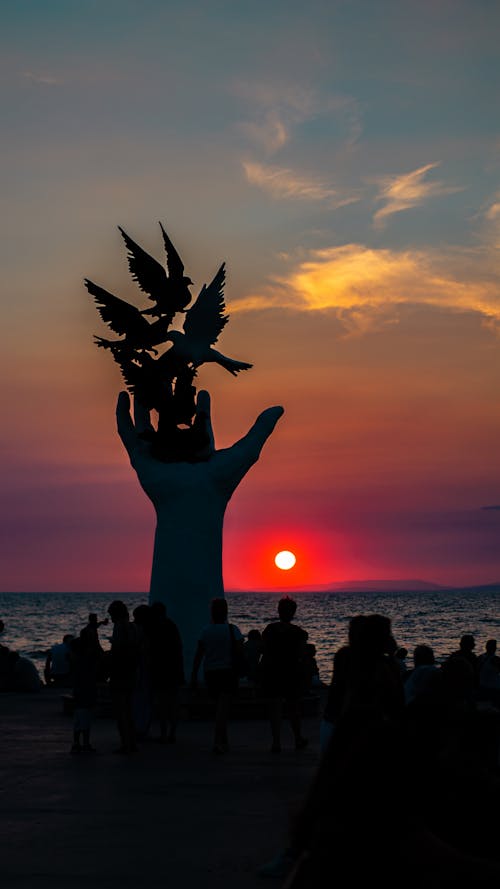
190 500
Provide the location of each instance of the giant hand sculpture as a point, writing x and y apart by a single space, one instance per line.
190 500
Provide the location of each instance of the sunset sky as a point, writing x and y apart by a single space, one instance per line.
343 158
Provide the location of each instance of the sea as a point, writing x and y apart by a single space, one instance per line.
35 621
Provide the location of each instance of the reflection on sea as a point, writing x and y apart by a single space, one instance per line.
34 621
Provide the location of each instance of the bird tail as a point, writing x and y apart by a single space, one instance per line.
233 366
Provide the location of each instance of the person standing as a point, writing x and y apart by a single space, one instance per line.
167 670
218 649
282 672
124 663
57 669
85 667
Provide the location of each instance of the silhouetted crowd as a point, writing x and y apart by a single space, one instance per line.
409 770
409 777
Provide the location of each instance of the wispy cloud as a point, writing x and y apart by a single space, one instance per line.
284 182
270 133
276 112
47 79
491 229
495 507
365 286
408 190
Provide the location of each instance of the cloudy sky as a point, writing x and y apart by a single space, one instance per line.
343 158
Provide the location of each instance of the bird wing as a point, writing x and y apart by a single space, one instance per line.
121 316
174 263
205 320
145 270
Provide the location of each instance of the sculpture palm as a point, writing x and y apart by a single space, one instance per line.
190 500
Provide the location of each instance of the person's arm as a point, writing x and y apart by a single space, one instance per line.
200 651
46 669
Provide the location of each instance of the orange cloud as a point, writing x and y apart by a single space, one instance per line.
365 284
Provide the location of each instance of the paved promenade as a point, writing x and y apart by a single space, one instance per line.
172 816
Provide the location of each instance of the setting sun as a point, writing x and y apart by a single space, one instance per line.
285 560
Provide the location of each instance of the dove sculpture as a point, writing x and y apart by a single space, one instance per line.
170 292
203 324
124 318
162 379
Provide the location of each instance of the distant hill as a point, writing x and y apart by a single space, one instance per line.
403 585
384 586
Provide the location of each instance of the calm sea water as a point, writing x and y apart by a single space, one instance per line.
35 621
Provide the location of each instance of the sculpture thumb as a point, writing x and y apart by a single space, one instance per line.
264 425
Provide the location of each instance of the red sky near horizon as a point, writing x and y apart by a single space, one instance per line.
343 161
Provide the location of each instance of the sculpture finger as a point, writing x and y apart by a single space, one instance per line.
126 429
203 410
142 418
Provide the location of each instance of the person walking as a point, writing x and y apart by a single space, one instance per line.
124 663
282 672
220 647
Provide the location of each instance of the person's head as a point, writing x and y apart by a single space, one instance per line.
423 656
357 630
2 626
218 611
254 636
286 609
158 611
467 642
118 611
67 638
370 635
401 653
491 646
93 620
141 615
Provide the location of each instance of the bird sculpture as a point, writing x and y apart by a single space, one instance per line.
203 324
170 292
124 318
165 382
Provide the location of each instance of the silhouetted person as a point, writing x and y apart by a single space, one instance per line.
216 650
349 827
466 651
419 679
489 673
124 662
8 662
400 656
365 674
167 670
92 628
85 662
310 669
281 672
57 669
91 632
142 697
17 673
253 652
